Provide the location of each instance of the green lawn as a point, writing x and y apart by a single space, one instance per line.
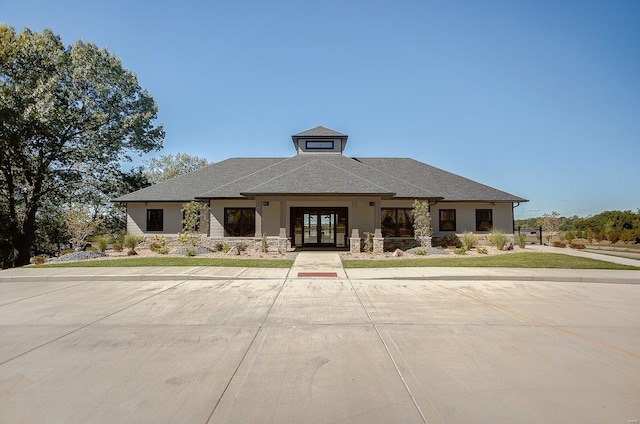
511 260
174 261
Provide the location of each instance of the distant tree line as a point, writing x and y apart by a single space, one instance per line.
612 226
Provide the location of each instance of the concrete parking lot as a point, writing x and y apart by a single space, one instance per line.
280 349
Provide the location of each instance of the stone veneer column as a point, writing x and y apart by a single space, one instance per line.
354 241
378 245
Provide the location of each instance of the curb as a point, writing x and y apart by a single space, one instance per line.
458 277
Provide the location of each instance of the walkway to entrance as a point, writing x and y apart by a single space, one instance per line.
317 265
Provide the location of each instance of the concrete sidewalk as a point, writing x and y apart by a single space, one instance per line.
328 265
585 254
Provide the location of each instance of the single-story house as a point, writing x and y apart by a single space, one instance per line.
319 197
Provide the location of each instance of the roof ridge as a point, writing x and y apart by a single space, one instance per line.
397 178
312 161
203 195
319 131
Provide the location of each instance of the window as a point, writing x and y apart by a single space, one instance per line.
484 219
155 219
240 222
447 219
320 145
397 222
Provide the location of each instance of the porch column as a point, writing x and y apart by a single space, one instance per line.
283 219
258 218
354 240
378 240
283 241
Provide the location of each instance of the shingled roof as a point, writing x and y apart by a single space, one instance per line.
319 131
400 178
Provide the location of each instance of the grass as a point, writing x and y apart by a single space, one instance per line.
173 261
512 260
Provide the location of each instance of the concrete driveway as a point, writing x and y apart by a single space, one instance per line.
271 348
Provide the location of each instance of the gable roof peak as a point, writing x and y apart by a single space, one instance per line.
319 131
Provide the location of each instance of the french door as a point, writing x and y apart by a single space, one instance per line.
319 227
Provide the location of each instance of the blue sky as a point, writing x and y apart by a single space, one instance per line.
537 98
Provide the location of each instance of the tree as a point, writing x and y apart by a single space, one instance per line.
81 224
67 114
421 221
164 167
194 214
551 224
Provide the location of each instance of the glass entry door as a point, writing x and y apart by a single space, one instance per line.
319 227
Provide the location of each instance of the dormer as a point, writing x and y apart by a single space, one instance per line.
319 140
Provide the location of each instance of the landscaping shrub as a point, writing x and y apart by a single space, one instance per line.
482 250
569 236
191 251
559 244
117 246
66 251
38 260
450 240
157 243
460 251
420 252
102 241
163 250
521 240
498 238
469 240
132 241
578 246
368 243
225 247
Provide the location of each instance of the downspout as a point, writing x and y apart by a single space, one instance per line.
513 218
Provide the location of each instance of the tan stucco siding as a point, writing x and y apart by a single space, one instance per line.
271 218
466 217
216 216
137 218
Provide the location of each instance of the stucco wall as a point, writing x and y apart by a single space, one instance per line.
466 217
216 228
137 218
363 219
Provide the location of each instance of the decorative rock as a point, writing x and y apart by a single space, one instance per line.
79 256
508 246
398 252
234 251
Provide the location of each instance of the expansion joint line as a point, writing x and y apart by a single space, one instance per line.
91 323
386 347
539 322
44 293
246 352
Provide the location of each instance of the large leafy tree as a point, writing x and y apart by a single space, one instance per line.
67 114
164 167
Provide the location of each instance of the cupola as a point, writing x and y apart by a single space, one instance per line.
319 140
